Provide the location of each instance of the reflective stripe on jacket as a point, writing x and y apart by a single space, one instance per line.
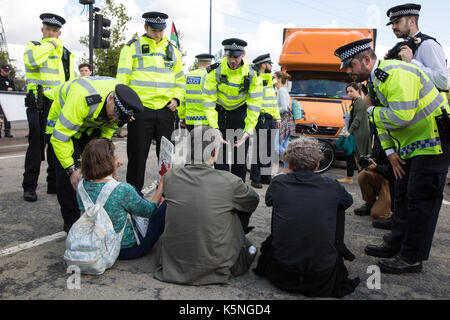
410 103
75 116
192 108
156 77
269 100
230 94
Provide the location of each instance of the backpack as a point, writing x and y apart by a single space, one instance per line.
92 244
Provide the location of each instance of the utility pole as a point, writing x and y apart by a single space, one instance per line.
90 3
210 24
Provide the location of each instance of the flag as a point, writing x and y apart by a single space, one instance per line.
174 36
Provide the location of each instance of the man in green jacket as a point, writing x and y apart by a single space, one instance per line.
412 123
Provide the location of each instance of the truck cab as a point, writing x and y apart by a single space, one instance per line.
317 83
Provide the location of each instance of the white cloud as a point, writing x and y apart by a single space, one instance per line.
333 24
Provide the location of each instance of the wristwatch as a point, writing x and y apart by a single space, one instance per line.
71 170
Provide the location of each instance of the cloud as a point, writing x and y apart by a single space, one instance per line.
333 24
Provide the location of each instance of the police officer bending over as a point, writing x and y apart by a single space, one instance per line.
413 128
86 108
47 64
232 100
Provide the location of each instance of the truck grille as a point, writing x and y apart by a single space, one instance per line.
323 131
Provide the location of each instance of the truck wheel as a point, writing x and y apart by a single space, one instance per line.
329 156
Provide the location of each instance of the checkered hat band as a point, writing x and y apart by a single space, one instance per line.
51 21
351 52
155 20
121 107
408 12
233 47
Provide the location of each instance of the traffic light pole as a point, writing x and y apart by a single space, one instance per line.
91 29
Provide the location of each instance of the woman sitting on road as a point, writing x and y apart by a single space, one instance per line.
98 165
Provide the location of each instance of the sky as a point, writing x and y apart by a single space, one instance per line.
259 22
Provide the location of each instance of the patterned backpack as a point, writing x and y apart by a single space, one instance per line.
92 244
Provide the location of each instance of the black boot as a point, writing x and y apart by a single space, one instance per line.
385 224
399 265
364 210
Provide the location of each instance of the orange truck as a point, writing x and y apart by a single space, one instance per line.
317 83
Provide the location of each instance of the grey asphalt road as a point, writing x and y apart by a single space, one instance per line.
40 272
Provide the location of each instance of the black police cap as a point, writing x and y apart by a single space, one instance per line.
348 51
204 57
234 47
52 20
127 102
156 20
262 59
6 67
408 9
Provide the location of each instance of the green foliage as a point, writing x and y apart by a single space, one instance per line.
106 60
15 74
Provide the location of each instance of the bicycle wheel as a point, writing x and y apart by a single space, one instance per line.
329 156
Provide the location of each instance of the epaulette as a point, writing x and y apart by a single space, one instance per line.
213 67
36 43
381 75
93 99
131 42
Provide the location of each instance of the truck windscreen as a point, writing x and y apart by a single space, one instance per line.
319 84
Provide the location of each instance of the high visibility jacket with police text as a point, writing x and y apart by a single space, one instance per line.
405 120
153 70
225 87
44 66
192 107
78 106
269 102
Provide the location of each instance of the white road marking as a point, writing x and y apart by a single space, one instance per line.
14 145
445 202
10 157
31 244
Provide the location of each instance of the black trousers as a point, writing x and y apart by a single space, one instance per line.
350 165
33 154
6 123
418 199
149 124
263 155
67 196
232 120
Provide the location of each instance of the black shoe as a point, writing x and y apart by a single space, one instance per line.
8 135
30 196
380 251
256 185
67 227
386 237
399 265
385 224
51 190
364 210
266 181
248 229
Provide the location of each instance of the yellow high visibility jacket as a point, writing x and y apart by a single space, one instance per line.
192 107
269 100
225 87
409 103
153 70
44 66
76 113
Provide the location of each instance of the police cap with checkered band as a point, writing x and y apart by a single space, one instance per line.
52 20
234 47
127 102
155 20
404 10
348 51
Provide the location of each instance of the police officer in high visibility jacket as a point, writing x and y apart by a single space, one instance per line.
47 63
413 126
85 108
152 66
232 100
269 120
191 111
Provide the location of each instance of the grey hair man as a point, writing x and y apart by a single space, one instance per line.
206 219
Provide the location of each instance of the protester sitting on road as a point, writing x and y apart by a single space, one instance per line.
99 164
304 251
359 128
376 182
207 215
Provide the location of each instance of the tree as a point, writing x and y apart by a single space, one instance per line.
106 60
15 74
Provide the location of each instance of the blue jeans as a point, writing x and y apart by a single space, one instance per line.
282 146
154 231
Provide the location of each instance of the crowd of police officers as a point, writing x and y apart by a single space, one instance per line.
151 90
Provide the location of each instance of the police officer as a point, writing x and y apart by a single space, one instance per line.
232 103
191 110
152 66
86 108
47 63
429 54
268 120
7 84
415 135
